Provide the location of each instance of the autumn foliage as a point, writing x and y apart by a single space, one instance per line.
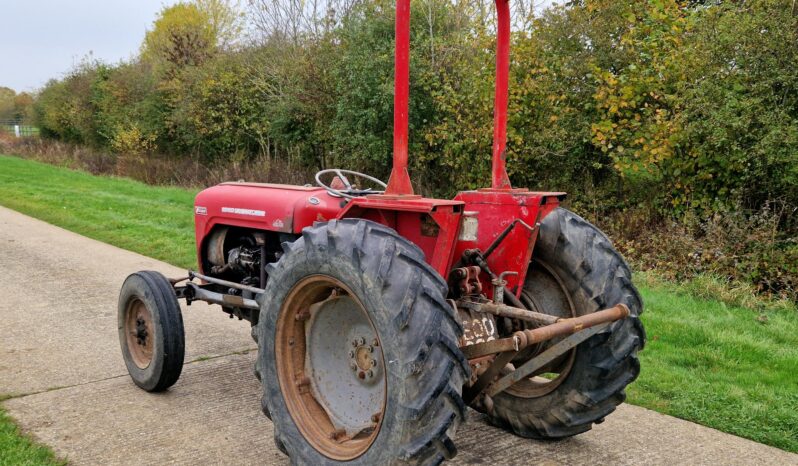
667 110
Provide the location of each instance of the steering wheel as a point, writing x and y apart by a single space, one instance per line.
350 190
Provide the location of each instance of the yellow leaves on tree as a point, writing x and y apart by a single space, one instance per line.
183 35
637 116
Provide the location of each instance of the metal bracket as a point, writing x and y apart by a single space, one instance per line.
542 359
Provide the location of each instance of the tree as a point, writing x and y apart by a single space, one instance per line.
183 35
226 20
7 103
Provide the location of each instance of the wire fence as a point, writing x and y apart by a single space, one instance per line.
18 129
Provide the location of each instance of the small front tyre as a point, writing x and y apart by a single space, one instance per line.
151 331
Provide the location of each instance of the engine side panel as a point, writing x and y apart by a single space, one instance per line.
259 206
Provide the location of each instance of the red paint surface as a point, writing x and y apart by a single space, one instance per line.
406 217
500 180
399 182
497 210
287 209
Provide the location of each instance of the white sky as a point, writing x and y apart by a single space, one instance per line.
43 39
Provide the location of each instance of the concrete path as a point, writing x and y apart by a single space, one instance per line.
59 355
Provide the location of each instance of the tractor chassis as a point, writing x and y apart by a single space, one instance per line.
489 355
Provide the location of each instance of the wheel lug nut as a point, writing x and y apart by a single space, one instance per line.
354 343
371 349
353 366
362 341
375 342
361 375
370 374
351 354
373 363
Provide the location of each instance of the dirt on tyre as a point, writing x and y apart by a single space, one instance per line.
151 331
365 367
575 271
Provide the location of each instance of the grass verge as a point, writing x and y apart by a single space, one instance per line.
17 448
724 366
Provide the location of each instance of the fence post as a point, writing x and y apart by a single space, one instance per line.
16 130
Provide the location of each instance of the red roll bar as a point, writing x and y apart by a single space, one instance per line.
399 182
500 180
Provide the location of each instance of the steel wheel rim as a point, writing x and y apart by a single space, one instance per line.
140 333
536 386
315 396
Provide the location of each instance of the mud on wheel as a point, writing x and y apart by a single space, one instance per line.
575 271
365 367
151 331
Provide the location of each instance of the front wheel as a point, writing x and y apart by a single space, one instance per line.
151 331
575 271
364 367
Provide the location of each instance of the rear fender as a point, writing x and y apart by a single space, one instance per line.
491 212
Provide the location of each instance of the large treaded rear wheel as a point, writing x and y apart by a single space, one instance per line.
576 257
376 281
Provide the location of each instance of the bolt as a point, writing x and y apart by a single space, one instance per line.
353 366
351 354
362 341
361 375
371 349
373 363
354 342
370 374
376 342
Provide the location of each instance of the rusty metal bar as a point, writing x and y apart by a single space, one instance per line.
501 345
229 300
542 359
524 338
471 393
218 281
569 326
516 313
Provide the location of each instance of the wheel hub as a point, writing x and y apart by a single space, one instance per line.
363 361
331 367
139 329
342 364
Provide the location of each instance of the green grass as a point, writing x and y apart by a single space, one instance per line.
155 221
723 366
18 449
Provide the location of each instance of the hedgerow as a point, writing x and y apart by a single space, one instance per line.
679 113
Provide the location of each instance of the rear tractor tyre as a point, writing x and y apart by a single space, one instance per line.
575 271
151 331
364 367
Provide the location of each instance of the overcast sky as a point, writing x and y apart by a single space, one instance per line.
43 39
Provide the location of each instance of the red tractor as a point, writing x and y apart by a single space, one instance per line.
380 315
